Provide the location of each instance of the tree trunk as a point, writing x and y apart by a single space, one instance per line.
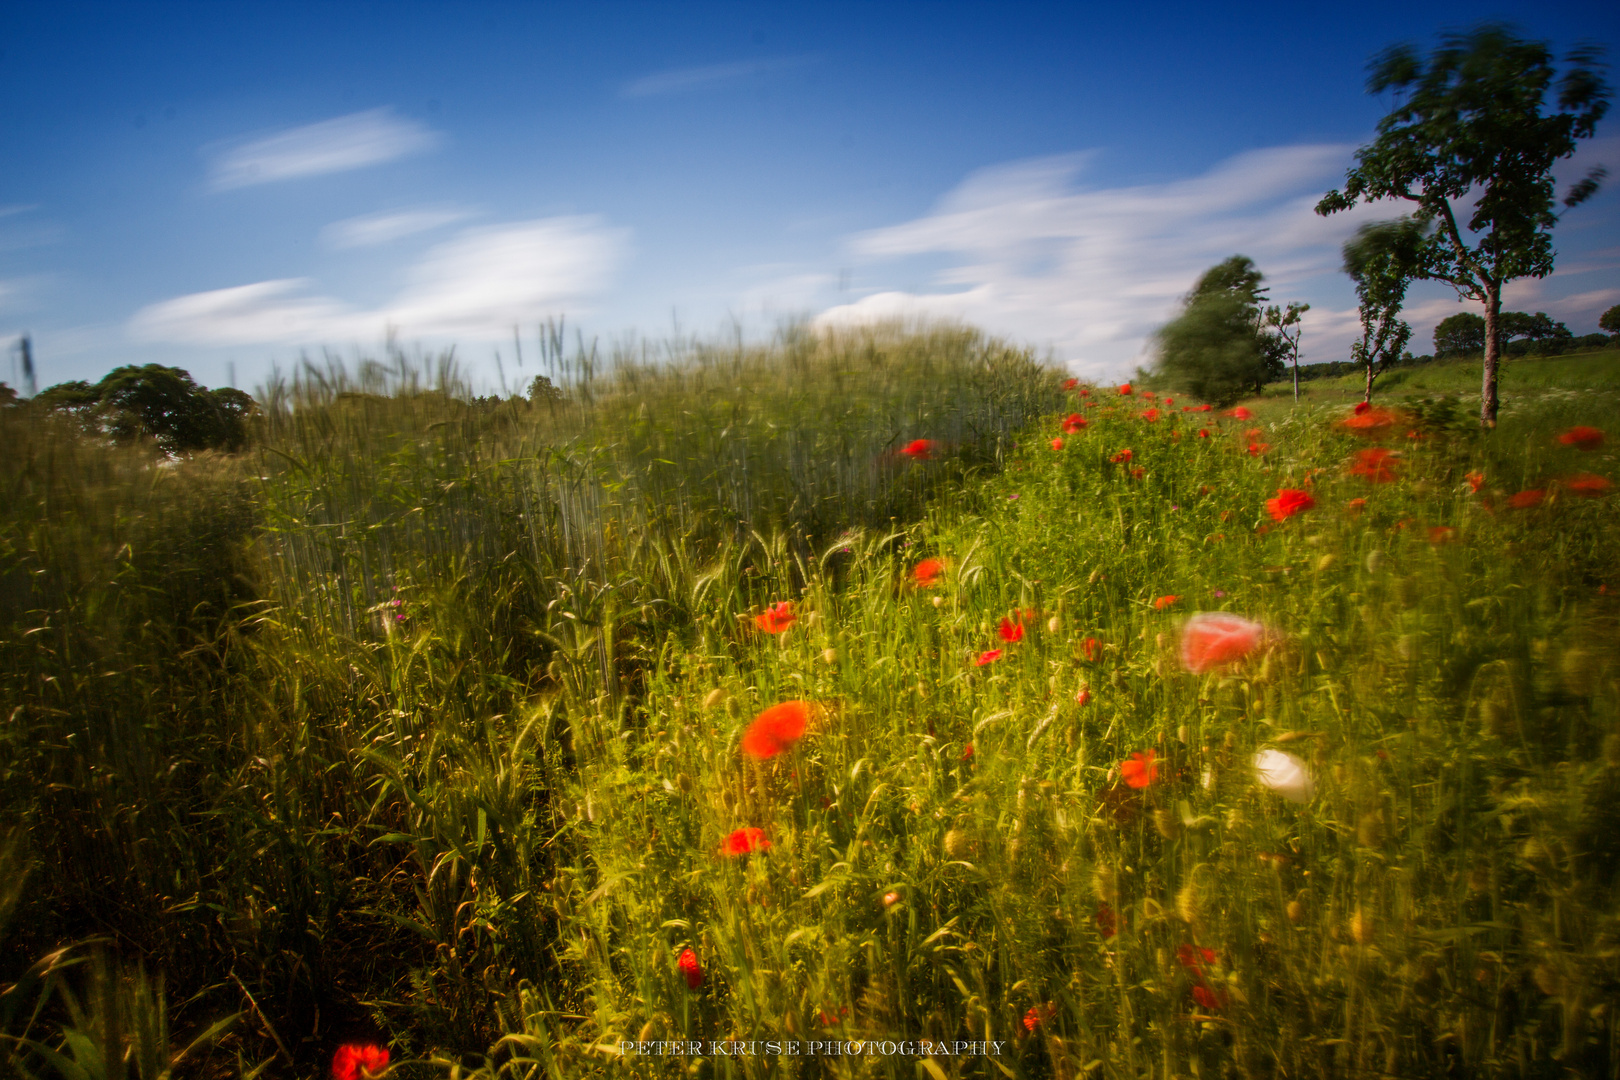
1493 352
1366 395
1296 378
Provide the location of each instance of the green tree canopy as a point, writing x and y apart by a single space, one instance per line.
1381 259
1469 122
1462 334
1610 320
1218 349
156 402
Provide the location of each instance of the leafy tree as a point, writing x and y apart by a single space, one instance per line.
1470 121
1461 334
1217 348
1381 259
157 402
1279 320
1541 334
1610 320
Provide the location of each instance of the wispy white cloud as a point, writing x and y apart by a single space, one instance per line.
369 230
477 285
696 78
338 145
1092 272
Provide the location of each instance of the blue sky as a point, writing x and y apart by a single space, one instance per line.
226 186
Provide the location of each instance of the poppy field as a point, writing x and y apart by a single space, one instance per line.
892 691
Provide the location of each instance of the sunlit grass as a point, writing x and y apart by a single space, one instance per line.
441 744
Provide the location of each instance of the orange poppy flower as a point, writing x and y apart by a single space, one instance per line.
1070 384
1203 433
1524 500
1139 770
1125 390
1254 433
1057 444
745 841
1091 649
1588 485
1212 638
1148 395
1239 413
1582 438
1442 534
1085 393
1369 419
357 1061
1123 455
1164 601
689 967
776 618
927 572
1258 448
989 656
967 752
1356 506
919 449
1289 501
776 729
1038 1014
1150 415
1073 423
1476 480
1138 473
1169 401
1375 464
1010 631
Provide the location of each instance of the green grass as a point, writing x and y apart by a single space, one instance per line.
481 824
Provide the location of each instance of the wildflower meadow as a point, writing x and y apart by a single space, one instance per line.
875 705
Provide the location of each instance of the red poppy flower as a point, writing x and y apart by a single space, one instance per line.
1139 770
1203 408
776 729
1010 631
1258 448
1589 485
1107 921
356 1061
927 572
1070 384
1582 438
1369 419
989 656
745 841
919 449
777 618
1289 501
1361 407
890 899
1083 698
1213 1000
1442 534
1193 958
1254 433
1138 473
1169 401
1037 1015
1164 601
1150 415
1073 423
1203 433
1212 638
1057 444
1375 464
1085 393
1476 480
689 967
1123 455
967 752
1239 413
1524 500
1148 395
1091 649
1125 390
1356 506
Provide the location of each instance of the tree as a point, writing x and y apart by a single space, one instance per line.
1217 348
1462 334
1381 259
1610 320
1470 122
1541 334
1279 320
156 402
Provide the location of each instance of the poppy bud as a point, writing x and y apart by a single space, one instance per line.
939 601
1296 912
829 656
1326 562
1053 625
957 845
890 899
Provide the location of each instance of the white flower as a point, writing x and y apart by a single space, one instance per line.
1285 774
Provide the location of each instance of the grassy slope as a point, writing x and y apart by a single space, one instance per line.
503 812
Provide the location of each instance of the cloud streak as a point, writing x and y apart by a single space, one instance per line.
682 80
370 230
477 285
339 145
1093 271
